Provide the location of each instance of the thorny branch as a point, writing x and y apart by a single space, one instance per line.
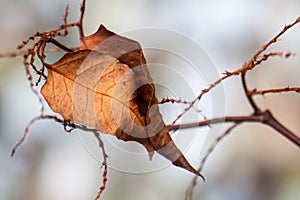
68 128
261 117
23 52
104 164
264 117
38 50
253 62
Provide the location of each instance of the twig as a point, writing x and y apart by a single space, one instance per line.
38 50
246 67
171 100
249 96
190 190
81 32
262 117
66 124
60 45
235 119
204 91
65 19
23 52
274 91
82 11
272 54
32 122
104 164
274 40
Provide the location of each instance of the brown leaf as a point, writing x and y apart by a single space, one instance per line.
106 85
88 88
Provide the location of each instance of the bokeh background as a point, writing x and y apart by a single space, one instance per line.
253 162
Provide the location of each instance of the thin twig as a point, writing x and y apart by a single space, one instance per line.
171 100
249 96
217 120
82 11
204 91
266 56
274 39
38 50
60 45
248 66
190 190
81 31
274 91
104 164
23 52
65 19
32 122
262 117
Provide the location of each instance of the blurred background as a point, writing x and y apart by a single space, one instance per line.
253 162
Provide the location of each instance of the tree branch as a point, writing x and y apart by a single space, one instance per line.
208 122
104 164
270 120
249 96
262 117
39 48
252 63
22 52
60 45
275 90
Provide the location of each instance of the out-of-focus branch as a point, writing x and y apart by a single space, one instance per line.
104 164
190 190
23 52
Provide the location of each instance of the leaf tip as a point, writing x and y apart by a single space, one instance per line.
182 162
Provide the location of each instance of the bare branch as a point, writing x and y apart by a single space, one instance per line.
82 10
274 40
249 96
38 49
104 164
32 122
190 190
274 91
23 52
262 117
204 91
60 45
235 119
253 62
270 120
171 100
81 32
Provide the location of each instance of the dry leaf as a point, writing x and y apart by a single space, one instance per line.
106 85
93 89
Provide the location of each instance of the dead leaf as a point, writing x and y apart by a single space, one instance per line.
106 85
